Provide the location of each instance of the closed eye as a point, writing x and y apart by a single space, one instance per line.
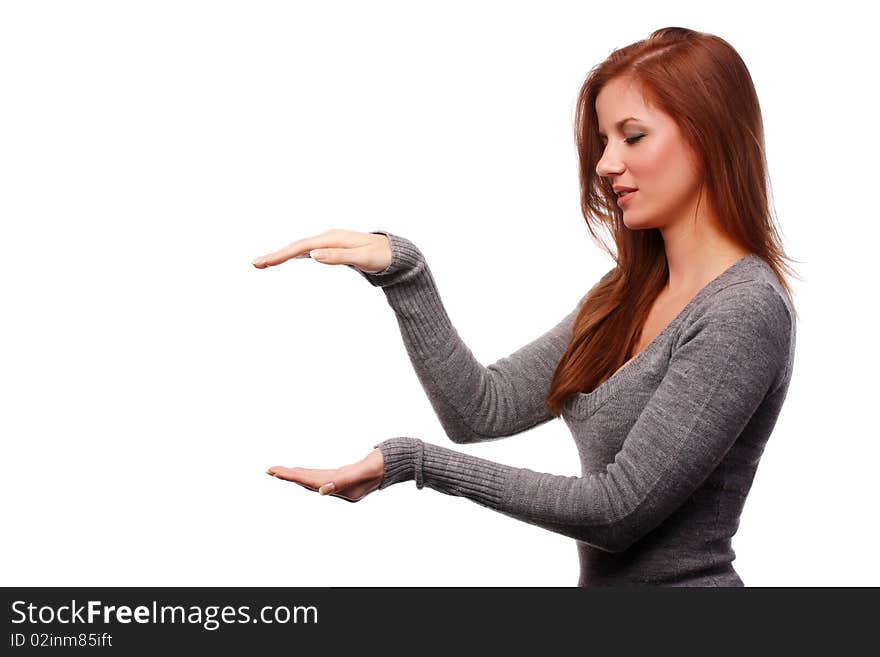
628 140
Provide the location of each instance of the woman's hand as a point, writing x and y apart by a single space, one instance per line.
350 482
369 252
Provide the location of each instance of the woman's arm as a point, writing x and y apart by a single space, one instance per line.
473 403
723 366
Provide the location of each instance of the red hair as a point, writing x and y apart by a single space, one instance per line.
701 82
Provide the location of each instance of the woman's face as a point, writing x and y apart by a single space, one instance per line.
648 154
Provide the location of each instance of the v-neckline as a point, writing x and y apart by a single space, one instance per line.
627 362
581 404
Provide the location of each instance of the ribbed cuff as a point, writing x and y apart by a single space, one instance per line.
405 261
403 460
444 470
411 291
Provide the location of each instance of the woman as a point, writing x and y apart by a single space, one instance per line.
670 372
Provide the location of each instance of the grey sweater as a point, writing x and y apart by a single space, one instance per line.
669 444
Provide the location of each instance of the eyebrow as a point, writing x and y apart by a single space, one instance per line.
620 123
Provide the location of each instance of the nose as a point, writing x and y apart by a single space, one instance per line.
609 165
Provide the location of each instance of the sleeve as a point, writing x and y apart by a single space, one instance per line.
473 403
722 366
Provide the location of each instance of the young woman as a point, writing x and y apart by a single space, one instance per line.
670 372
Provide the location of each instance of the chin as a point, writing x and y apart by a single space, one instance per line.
634 224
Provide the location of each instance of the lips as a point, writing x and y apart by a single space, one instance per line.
625 197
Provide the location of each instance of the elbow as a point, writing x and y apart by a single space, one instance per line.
469 438
462 434
618 546
612 546
613 538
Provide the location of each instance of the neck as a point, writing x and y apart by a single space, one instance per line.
697 256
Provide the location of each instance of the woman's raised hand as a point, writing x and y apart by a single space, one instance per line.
369 252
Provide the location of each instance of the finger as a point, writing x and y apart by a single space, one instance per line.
325 482
298 249
308 477
355 493
332 490
346 477
353 255
313 480
330 256
302 248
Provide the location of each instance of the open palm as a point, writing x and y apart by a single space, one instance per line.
351 482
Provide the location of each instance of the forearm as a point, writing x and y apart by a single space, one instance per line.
719 373
473 402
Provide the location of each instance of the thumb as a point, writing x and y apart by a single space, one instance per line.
343 479
324 255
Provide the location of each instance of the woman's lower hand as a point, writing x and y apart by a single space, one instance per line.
350 482
369 252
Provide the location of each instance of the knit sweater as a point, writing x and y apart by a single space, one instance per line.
669 444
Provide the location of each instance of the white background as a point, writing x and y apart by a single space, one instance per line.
150 150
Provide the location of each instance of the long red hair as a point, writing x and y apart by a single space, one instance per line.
700 81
